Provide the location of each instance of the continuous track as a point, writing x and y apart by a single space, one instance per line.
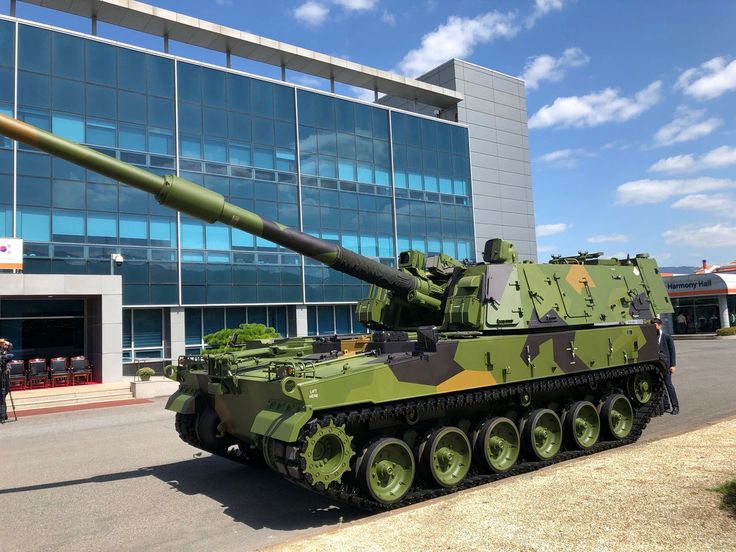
288 461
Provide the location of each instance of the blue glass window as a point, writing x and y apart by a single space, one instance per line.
133 227
68 193
101 63
192 234
147 328
132 137
7 44
218 237
34 49
33 89
102 225
163 232
160 76
68 223
130 74
67 95
34 224
160 112
101 133
193 326
67 56
70 127
262 98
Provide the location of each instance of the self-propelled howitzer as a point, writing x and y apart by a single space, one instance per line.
478 370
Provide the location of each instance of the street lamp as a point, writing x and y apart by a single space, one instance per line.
116 259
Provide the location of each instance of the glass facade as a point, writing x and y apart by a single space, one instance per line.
702 314
373 179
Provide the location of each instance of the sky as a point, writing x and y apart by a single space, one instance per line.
631 105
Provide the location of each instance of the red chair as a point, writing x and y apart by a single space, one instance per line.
18 374
80 369
38 373
59 371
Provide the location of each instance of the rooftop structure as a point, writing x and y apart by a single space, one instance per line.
189 30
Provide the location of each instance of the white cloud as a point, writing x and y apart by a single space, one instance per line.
678 163
723 156
546 67
567 158
362 93
356 5
608 238
716 235
687 125
224 3
312 13
597 108
713 78
648 192
456 39
722 204
551 229
547 248
542 8
388 18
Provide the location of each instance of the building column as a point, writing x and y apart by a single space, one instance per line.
302 327
111 318
176 324
723 309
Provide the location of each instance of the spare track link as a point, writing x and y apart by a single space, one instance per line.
288 459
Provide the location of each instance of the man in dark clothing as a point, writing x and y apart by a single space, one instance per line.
4 380
667 355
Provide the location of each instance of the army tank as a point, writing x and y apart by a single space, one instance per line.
474 371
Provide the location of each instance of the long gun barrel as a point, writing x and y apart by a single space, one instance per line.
207 205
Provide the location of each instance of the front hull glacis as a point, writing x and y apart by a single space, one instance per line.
445 413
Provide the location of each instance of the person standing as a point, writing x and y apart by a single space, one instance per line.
4 379
681 323
667 355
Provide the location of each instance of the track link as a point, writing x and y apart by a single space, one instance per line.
288 461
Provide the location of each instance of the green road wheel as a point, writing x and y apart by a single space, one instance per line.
327 453
542 433
386 469
640 387
496 444
581 424
618 416
445 455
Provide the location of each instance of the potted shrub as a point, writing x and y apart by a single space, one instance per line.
145 373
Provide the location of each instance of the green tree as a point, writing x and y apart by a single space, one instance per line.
222 340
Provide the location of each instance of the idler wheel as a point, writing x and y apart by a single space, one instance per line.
618 416
581 424
327 453
445 455
496 444
542 433
386 470
207 432
640 387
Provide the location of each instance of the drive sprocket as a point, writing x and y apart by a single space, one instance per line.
326 453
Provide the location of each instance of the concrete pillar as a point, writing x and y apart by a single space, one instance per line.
228 59
112 330
283 72
166 43
723 309
302 328
94 25
176 321
12 8
332 84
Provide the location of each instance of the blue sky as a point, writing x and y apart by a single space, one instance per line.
632 105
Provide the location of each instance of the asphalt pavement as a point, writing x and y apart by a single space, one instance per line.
119 478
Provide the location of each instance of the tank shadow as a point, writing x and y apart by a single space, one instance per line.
254 496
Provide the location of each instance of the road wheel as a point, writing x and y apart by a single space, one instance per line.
445 456
386 470
542 433
618 416
496 444
640 387
581 424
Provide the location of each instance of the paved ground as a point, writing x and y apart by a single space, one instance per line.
119 478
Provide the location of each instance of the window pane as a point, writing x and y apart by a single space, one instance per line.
147 328
160 112
33 89
130 75
192 326
101 133
34 49
262 98
68 56
192 234
132 137
67 95
103 225
34 224
68 194
160 73
101 63
68 223
133 227
70 127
